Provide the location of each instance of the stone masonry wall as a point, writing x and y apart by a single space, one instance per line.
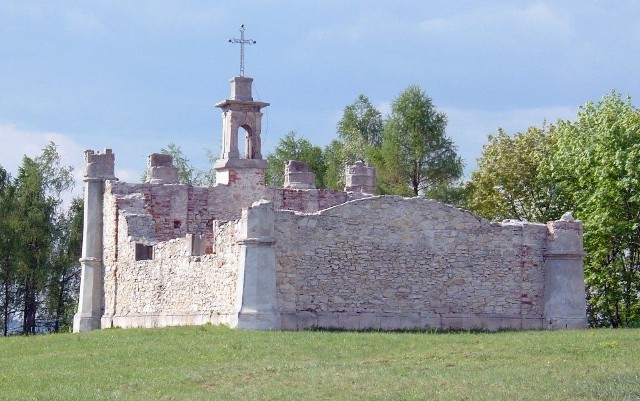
307 200
159 212
175 287
391 262
375 262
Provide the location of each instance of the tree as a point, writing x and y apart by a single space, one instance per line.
335 164
454 193
34 232
36 204
511 180
359 128
186 172
598 163
292 148
64 277
207 177
8 250
416 156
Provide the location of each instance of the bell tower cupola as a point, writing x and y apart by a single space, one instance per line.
241 153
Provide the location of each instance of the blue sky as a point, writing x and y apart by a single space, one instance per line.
136 75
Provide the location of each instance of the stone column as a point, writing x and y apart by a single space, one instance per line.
256 295
160 169
360 177
298 176
565 304
98 168
229 136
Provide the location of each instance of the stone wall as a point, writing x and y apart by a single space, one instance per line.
175 287
191 240
159 212
309 200
390 262
381 262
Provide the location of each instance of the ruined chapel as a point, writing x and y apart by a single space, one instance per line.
250 256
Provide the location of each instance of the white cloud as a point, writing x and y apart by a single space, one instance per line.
128 175
18 143
469 127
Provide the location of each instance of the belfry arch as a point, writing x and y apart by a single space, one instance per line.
241 129
240 111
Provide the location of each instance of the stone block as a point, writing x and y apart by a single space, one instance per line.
160 169
327 320
360 177
241 89
369 321
430 321
288 321
306 320
348 321
99 165
298 176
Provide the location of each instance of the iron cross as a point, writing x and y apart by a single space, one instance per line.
242 42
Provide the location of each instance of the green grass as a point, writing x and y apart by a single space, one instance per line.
210 363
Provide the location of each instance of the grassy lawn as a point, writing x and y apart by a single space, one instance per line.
210 363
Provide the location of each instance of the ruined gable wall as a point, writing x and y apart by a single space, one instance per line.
176 210
176 288
310 200
391 262
159 212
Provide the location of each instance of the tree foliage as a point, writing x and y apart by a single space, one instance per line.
334 165
64 275
8 250
416 156
359 128
292 147
512 181
598 163
590 166
31 208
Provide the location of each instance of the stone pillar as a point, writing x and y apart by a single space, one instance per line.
256 295
565 305
298 176
98 168
160 169
360 177
241 88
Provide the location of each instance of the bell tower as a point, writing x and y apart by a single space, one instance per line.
240 113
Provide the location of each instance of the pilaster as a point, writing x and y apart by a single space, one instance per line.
256 295
564 296
98 168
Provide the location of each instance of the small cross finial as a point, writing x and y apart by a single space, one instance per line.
242 42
